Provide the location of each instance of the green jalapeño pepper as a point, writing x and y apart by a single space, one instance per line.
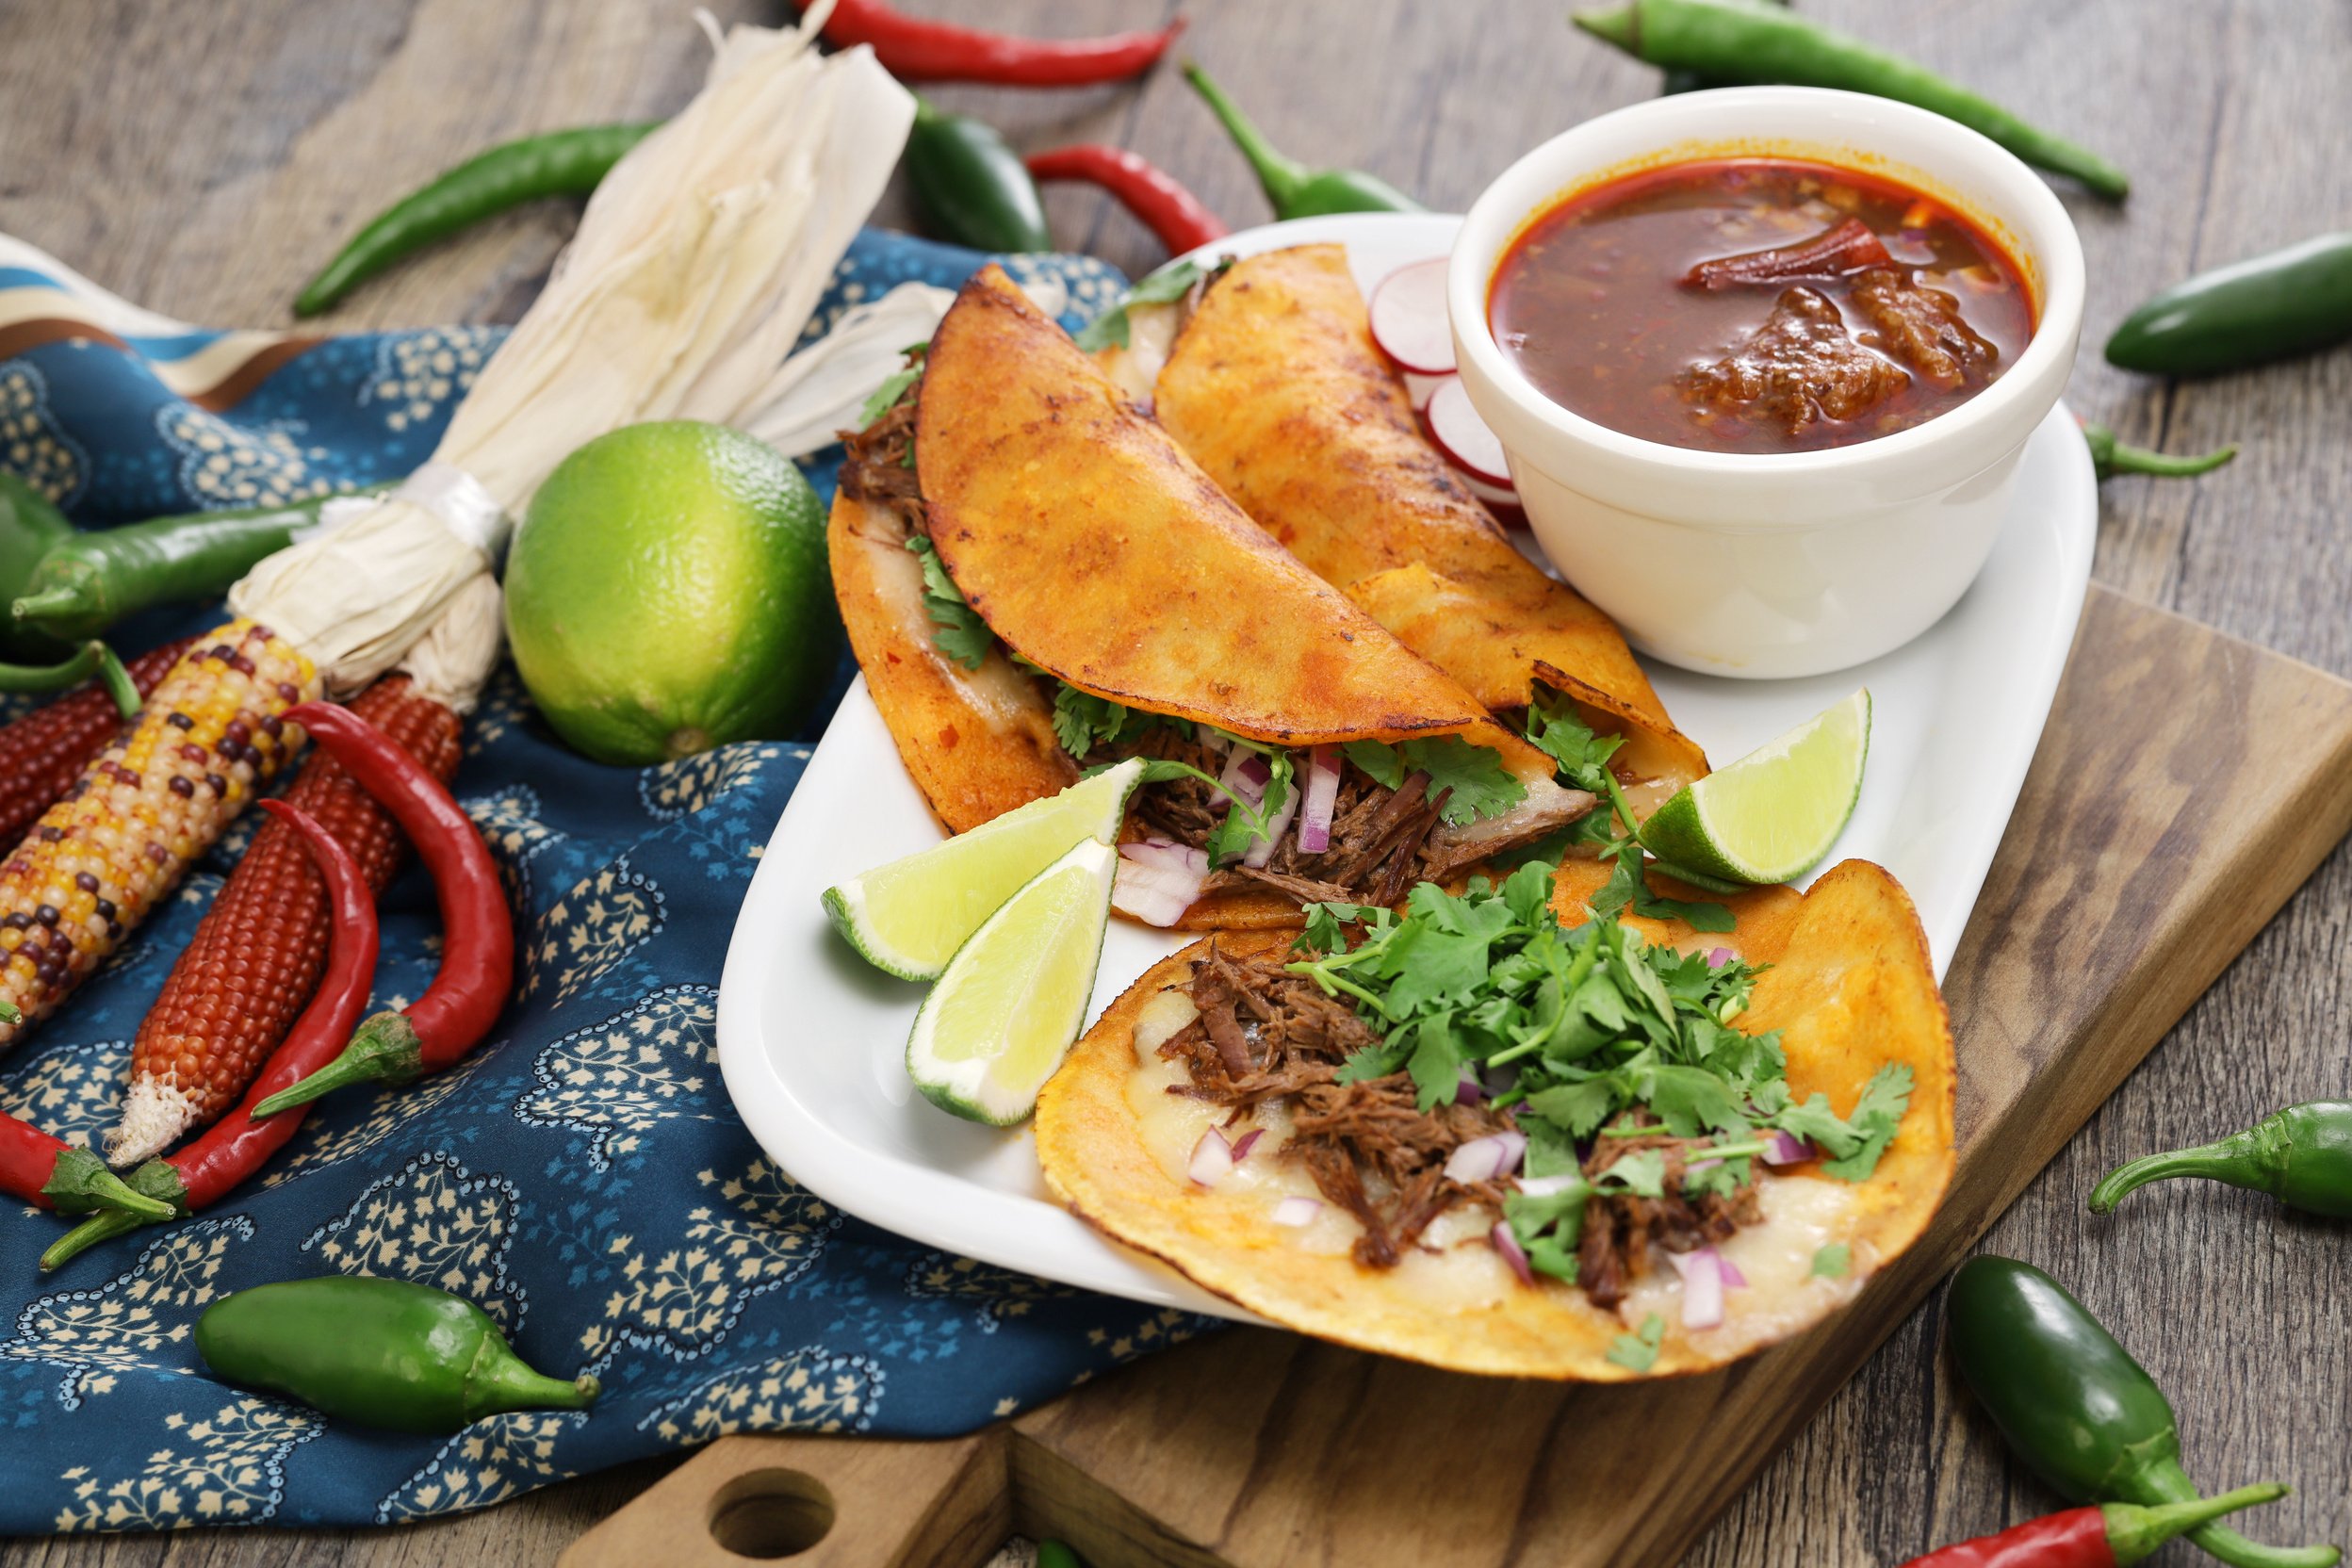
2292 302
2075 1406
970 186
377 1353
31 528
2302 1157
1296 190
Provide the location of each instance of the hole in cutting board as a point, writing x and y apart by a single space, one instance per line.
771 1514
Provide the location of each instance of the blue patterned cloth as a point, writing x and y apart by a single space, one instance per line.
582 1176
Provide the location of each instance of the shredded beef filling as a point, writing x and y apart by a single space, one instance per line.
880 467
1263 1034
1619 1227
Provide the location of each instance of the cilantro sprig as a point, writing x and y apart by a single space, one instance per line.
961 634
1469 781
894 386
1165 287
1583 758
1588 1024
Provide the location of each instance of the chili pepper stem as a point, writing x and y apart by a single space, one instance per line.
102 1226
384 1050
59 600
2219 1161
2163 1482
81 1183
501 1381
1281 175
2134 1532
91 658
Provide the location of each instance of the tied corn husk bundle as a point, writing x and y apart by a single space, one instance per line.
695 269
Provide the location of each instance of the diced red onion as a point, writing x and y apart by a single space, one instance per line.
1514 1255
1248 1141
1469 1091
1733 1279
1295 1211
1483 1159
1719 956
1787 1149
1321 792
1701 1287
1262 850
1211 1159
1157 882
1693 1169
1244 778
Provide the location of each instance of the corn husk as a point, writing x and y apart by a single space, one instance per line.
818 392
696 265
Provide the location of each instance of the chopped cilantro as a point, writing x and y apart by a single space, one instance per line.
1587 1024
1472 778
1245 825
1164 286
1831 1262
962 635
1637 1351
893 387
1583 758
1083 721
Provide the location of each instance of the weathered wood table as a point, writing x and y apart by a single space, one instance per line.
202 158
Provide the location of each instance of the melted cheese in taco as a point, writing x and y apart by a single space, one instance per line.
1500 1136
1019 554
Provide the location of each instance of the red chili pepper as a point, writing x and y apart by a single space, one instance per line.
476 932
916 50
52 1173
1182 220
2100 1537
237 1145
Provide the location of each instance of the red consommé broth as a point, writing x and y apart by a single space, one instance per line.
1592 303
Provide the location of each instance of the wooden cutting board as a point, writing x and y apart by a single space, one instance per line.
2187 783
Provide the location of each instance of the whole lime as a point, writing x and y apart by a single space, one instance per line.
667 593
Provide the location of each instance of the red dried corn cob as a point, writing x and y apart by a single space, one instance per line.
255 959
45 751
104 855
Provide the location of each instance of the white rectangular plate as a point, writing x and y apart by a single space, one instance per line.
812 1040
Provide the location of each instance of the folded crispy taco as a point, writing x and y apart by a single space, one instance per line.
1499 1136
1267 375
1037 580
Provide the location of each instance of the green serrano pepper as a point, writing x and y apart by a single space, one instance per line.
85 583
1680 80
2266 307
31 528
2075 1406
969 187
2302 1157
1295 190
377 1353
561 163
1739 40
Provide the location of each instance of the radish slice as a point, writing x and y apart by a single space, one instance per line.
1418 388
1483 1159
1408 319
1295 1211
1321 792
1492 495
1514 1255
1211 1159
1701 1287
1463 436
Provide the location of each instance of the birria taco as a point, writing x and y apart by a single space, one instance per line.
1037 580
1267 375
1495 1134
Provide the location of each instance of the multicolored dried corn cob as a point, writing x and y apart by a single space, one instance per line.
255 959
45 751
100 858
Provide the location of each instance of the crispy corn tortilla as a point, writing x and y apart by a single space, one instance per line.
1095 548
1850 987
1274 387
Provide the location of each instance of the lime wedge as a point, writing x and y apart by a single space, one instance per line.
1013 998
1776 813
910 916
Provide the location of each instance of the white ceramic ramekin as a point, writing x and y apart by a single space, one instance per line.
1779 564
